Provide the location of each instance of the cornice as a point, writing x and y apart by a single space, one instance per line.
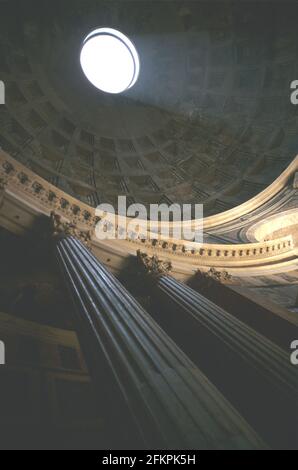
20 181
31 192
257 200
14 173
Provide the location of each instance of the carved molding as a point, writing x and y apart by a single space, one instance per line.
256 201
17 178
211 254
34 191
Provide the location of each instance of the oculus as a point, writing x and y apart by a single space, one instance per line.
109 60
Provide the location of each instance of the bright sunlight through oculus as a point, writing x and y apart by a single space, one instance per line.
110 60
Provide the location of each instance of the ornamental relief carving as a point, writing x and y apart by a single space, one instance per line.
61 229
153 265
225 253
212 274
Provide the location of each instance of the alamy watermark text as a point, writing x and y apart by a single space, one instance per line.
179 222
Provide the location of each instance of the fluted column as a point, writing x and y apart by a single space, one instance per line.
213 285
251 370
255 349
166 397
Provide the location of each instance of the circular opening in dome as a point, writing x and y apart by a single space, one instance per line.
110 60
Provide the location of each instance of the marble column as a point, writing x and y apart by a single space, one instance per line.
253 372
153 386
214 285
243 340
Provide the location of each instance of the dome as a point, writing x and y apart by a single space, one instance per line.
209 119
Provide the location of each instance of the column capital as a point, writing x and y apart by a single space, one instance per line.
60 228
213 275
153 265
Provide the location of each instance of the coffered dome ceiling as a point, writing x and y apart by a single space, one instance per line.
209 120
